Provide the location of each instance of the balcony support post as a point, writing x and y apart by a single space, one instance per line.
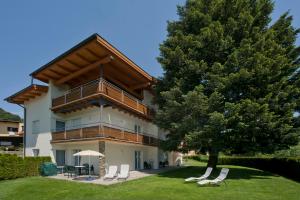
100 87
101 118
65 134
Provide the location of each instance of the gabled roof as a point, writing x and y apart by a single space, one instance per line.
86 56
27 93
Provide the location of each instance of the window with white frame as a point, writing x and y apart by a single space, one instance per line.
137 128
36 127
75 123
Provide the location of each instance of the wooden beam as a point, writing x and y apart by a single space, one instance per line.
28 96
143 85
48 77
60 72
103 43
53 73
68 70
72 63
83 58
84 69
91 53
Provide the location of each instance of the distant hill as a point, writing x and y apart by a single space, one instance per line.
9 116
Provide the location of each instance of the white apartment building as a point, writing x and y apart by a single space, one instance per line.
94 98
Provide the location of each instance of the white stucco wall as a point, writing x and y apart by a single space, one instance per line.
38 109
91 116
122 153
69 151
117 153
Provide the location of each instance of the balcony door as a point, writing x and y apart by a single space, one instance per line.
137 160
77 159
60 157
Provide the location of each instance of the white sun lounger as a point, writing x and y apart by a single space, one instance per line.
216 181
124 172
203 177
112 172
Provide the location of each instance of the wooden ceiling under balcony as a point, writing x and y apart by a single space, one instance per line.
82 63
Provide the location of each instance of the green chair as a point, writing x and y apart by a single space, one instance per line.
70 170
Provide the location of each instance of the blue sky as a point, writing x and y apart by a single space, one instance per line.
34 32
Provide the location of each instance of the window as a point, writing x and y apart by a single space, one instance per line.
5 143
36 127
36 152
60 125
12 129
137 128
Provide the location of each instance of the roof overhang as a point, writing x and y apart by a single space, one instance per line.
27 93
87 57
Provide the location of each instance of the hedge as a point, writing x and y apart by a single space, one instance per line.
287 167
12 166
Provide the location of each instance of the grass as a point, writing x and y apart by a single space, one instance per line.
243 183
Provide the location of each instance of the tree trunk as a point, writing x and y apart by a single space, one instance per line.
213 159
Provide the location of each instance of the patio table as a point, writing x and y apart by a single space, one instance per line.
61 168
78 168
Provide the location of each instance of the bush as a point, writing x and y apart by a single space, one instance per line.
287 167
12 166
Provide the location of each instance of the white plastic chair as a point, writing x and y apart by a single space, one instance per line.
203 177
216 181
112 172
124 172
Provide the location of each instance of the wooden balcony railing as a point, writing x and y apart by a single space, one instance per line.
104 131
106 89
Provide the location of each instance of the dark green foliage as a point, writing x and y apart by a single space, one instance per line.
287 167
4 115
229 80
12 166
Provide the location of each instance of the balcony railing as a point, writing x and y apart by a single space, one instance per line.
104 131
106 89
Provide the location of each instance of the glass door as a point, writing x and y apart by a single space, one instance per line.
137 160
60 157
77 159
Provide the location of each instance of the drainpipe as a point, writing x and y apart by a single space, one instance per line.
24 135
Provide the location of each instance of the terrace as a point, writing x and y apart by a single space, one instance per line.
92 92
103 131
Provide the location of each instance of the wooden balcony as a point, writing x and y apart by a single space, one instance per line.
100 88
103 131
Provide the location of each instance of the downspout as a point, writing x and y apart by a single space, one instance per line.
24 135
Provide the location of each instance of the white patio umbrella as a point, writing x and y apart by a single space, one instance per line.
88 153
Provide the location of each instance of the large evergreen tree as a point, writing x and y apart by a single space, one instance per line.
229 80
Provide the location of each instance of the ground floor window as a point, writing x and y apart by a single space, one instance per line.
12 129
36 152
60 157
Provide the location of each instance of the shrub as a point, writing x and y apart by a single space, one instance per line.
287 167
12 166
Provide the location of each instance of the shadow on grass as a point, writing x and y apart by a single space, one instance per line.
234 173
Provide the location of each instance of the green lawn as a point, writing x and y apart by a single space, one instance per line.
243 183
